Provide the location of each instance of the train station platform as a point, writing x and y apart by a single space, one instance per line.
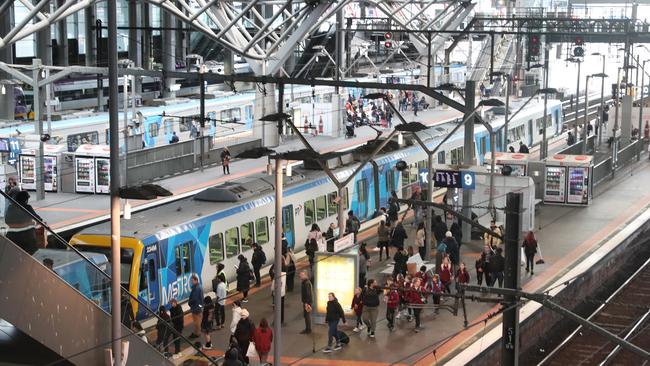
566 235
66 211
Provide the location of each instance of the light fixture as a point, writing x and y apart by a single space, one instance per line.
288 170
127 210
4 90
400 139
43 73
269 168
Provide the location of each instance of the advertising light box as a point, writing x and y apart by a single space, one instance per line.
338 274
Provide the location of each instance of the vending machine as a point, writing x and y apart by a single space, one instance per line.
568 179
51 168
92 168
517 161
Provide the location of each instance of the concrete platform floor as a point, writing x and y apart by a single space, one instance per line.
565 235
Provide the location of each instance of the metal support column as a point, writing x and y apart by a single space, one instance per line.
641 135
602 106
99 62
38 127
135 36
504 146
468 150
89 35
543 151
62 39
510 335
341 215
168 54
428 225
586 121
114 128
146 37
7 99
202 110
575 124
277 262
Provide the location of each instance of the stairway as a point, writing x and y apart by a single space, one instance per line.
46 308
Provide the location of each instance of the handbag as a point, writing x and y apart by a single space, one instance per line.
252 351
308 308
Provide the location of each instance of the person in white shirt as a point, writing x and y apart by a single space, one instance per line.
236 315
220 313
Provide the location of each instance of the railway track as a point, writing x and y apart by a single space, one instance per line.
625 313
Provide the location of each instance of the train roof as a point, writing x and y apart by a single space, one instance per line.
255 190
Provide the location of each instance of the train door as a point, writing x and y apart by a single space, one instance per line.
149 282
287 225
362 198
530 132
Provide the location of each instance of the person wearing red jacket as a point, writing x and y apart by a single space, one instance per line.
357 306
263 336
462 275
446 275
425 278
436 288
392 303
415 300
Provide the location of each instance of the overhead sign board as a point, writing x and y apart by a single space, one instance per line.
344 243
450 178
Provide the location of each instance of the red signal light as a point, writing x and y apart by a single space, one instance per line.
579 41
388 44
388 36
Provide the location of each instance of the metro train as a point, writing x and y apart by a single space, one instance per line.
164 246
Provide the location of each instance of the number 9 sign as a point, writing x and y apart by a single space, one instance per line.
468 180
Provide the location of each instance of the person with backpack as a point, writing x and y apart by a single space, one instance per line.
383 238
452 249
243 277
393 209
258 260
436 288
176 314
497 266
399 235
352 225
333 314
207 320
392 303
311 247
441 252
530 249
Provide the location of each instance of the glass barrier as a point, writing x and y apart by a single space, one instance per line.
88 269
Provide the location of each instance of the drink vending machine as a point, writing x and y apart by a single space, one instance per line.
568 180
51 167
517 161
92 169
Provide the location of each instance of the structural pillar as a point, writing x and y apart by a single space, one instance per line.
228 62
626 119
89 35
62 39
510 330
38 128
135 35
265 105
468 151
168 54
7 102
146 37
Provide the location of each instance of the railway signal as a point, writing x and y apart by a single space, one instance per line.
388 40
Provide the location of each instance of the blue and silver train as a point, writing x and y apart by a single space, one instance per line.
162 247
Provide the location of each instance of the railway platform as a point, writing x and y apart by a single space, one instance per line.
566 235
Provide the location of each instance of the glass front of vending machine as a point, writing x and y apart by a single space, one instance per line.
578 186
85 174
102 177
555 184
27 166
50 173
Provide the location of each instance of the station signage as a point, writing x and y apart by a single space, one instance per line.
450 178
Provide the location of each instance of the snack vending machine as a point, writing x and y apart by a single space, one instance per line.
92 168
568 179
51 167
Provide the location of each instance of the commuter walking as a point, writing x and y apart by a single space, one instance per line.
492 240
357 307
225 160
530 249
399 235
243 277
436 288
207 321
420 241
382 239
462 276
176 314
480 266
258 260
290 264
364 259
446 275
452 249
371 306
392 303
352 224
416 301
263 338
332 316
497 266
244 333
196 306
400 259
307 298
283 289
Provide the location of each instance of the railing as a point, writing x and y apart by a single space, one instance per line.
628 153
576 149
602 171
91 279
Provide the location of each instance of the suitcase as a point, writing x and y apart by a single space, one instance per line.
343 338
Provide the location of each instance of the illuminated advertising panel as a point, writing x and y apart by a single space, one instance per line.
338 274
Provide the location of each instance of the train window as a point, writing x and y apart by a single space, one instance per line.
422 164
345 198
390 180
309 212
332 207
153 129
215 243
152 270
184 258
362 197
321 208
185 125
413 176
483 145
405 177
143 279
441 157
232 242
168 126
262 230
247 236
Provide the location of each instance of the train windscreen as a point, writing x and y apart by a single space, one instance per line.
126 259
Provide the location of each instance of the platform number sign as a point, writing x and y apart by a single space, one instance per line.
468 180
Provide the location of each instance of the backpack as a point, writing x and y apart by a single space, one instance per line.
442 247
343 338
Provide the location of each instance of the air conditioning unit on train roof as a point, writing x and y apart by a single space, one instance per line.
244 188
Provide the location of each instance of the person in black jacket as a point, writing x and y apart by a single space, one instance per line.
332 317
398 236
370 297
163 329
439 229
393 210
176 313
244 333
400 259
258 260
307 298
497 266
457 232
243 277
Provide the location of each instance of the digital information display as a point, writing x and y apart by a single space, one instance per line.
337 273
